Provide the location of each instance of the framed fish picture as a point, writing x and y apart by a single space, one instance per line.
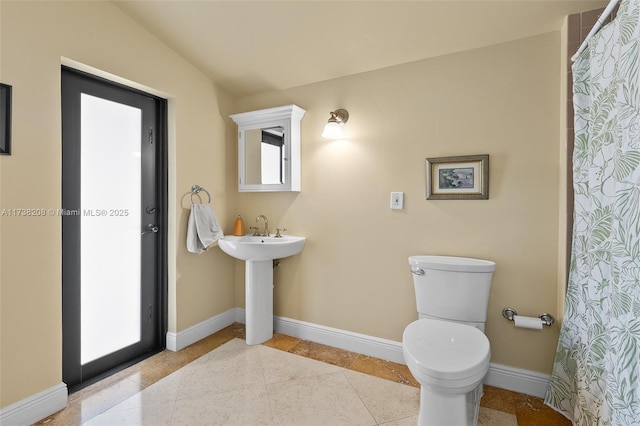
458 178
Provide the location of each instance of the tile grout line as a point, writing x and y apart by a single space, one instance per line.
266 386
364 404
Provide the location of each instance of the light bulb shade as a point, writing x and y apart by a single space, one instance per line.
332 130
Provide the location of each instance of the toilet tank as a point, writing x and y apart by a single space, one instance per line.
452 288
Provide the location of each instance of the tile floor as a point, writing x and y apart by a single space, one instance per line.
285 381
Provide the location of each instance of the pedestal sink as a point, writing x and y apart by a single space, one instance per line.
258 254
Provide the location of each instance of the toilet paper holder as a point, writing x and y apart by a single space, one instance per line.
547 319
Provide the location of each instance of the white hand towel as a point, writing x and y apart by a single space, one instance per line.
203 228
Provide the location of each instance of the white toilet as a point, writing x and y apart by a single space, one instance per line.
446 350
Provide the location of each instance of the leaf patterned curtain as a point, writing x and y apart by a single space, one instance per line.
596 374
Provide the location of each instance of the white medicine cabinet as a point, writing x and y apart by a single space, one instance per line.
269 149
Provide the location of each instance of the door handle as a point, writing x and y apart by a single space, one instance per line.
150 228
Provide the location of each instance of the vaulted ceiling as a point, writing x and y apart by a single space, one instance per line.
249 47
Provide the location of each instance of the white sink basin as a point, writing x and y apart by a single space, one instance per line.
258 254
248 247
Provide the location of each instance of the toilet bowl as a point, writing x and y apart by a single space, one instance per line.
449 360
446 349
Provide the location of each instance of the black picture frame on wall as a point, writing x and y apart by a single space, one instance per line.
5 119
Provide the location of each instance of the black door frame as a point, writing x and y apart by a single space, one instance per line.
71 271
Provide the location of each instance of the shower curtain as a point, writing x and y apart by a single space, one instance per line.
596 373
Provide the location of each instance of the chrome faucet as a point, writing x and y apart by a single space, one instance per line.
266 224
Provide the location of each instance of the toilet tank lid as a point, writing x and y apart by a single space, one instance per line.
452 263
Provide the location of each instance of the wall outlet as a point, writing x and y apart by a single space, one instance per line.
397 200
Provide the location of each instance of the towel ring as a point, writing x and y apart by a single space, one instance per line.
195 189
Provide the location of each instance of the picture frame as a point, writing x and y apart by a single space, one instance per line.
458 178
5 119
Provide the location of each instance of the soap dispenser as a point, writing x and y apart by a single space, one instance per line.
238 226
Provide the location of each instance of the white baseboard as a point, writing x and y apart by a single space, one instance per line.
501 376
36 407
342 339
518 380
186 337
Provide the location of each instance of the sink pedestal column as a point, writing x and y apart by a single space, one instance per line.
258 301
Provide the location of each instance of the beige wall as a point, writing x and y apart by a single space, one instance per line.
34 38
353 272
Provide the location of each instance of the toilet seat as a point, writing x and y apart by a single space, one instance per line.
446 354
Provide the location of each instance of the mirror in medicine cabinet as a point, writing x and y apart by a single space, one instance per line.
269 149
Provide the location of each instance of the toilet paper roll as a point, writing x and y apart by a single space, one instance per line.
528 322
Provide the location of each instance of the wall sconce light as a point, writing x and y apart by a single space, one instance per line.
333 128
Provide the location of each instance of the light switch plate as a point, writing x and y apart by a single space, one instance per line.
397 200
